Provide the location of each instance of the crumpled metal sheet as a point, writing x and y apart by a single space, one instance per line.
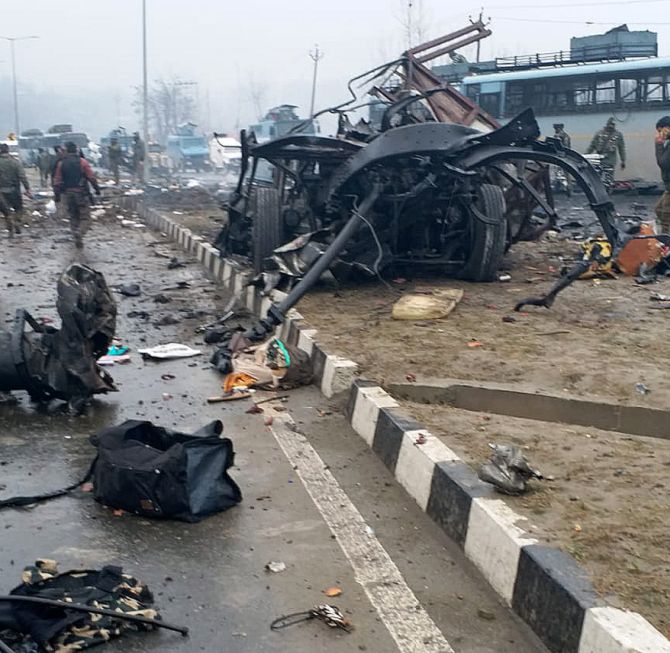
508 470
62 363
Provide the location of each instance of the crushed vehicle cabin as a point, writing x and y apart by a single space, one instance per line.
439 186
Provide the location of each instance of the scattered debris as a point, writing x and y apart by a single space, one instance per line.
129 290
170 350
330 592
61 363
275 566
233 395
427 306
331 615
175 263
76 609
508 471
642 389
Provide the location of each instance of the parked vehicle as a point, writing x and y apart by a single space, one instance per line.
157 159
187 149
225 153
30 141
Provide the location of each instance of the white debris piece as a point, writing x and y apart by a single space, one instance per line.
170 350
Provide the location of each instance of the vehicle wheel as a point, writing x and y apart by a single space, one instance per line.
267 232
488 235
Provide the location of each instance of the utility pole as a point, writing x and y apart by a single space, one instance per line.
480 19
410 6
145 83
12 40
315 55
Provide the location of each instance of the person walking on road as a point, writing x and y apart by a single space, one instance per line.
114 156
562 135
607 142
73 174
12 176
139 154
662 145
44 165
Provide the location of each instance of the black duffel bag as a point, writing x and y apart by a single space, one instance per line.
156 472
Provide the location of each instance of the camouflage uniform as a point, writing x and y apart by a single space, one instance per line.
108 588
114 156
607 142
139 154
12 176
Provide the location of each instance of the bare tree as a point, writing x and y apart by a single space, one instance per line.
257 94
414 19
170 103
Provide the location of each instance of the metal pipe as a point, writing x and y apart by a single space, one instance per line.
331 253
77 607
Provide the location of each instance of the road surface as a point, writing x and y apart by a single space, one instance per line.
315 497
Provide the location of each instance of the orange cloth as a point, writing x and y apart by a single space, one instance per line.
237 380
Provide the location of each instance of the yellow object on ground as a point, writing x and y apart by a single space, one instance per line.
433 306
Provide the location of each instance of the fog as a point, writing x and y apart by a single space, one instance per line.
87 61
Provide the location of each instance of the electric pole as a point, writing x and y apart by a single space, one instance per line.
315 55
145 83
12 40
480 19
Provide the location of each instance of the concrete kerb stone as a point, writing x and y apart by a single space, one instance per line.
544 586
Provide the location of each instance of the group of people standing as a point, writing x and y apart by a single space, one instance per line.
72 179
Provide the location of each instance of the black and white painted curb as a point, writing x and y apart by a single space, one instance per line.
542 584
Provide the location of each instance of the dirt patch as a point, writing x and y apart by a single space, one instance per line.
206 223
599 339
606 503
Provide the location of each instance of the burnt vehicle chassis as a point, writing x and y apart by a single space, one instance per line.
418 195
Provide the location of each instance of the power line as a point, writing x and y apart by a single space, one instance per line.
569 22
606 3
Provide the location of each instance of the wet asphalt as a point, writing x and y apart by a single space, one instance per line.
210 576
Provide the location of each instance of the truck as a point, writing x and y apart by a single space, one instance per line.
188 149
30 141
225 152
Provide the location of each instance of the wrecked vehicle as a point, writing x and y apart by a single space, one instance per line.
422 192
51 363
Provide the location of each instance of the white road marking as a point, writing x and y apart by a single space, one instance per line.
405 618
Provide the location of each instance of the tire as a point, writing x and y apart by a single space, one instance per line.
488 231
267 232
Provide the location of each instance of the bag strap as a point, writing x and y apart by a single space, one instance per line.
17 502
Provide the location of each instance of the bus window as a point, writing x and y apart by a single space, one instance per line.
655 87
629 90
490 102
583 94
514 98
606 92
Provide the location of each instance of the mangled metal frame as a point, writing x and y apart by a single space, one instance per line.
472 155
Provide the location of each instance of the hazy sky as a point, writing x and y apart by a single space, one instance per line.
88 55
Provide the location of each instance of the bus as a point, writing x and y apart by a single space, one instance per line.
582 97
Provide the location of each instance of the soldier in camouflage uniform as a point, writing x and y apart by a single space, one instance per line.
12 176
607 142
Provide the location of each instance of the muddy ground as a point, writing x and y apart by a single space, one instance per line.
601 338
606 500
